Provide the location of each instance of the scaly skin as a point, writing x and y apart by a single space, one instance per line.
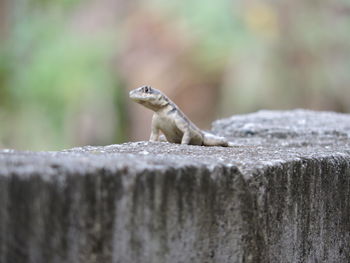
171 121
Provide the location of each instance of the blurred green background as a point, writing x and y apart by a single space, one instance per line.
66 66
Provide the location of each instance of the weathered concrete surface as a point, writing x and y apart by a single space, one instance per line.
281 195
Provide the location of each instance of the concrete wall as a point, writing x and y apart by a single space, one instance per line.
281 195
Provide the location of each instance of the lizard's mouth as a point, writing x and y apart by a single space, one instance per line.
134 95
139 98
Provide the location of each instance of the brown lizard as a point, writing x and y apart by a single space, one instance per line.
171 121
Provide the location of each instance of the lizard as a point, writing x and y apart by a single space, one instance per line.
172 122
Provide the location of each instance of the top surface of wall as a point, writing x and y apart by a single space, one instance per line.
263 139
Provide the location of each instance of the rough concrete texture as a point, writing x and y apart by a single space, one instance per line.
281 195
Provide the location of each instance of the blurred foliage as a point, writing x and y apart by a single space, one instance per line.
50 72
276 55
65 65
218 27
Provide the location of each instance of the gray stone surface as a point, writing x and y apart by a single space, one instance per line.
281 195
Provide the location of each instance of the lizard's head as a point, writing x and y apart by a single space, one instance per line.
149 97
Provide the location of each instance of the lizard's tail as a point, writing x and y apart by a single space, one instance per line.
231 144
213 140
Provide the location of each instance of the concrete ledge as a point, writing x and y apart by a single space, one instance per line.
281 195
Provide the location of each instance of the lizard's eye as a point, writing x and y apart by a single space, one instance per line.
146 89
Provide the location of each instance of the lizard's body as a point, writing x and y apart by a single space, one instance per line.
171 121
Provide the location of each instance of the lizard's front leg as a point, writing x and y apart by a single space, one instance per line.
154 131
154 136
